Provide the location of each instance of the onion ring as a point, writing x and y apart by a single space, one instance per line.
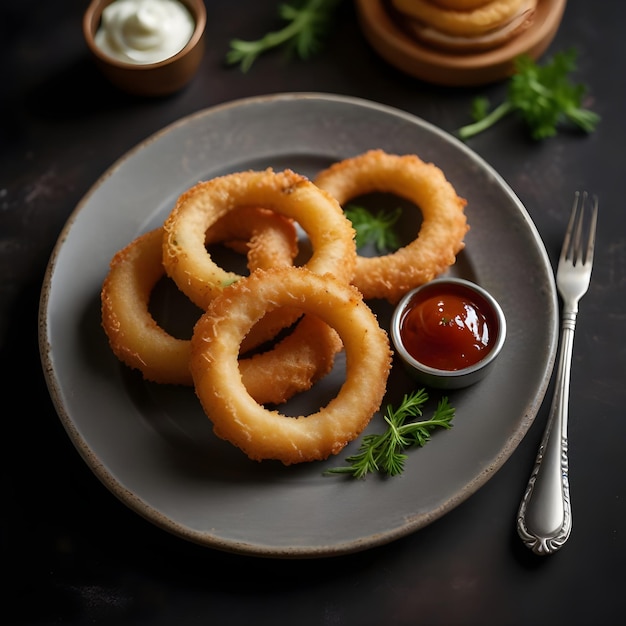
294 364
440 235
187 261
460 5
134 335
266 238
305 355
469 23
488 40
262 434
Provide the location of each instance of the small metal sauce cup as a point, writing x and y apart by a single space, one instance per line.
450 379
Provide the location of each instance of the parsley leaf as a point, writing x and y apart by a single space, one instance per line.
542 95
374 228
384 453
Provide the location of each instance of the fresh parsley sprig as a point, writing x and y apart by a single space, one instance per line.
384 453
374 228
544 97
308 23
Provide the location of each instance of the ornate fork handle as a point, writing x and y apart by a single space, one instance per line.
544 520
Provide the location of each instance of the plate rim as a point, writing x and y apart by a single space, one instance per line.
250 548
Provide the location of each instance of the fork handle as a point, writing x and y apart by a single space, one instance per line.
544 520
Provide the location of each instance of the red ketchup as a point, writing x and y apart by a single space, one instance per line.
447 327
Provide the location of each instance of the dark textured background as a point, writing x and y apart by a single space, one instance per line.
73 554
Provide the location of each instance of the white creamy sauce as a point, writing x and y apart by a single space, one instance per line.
144 31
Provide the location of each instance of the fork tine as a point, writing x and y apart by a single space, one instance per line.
592 232
565 250
572 243
577 245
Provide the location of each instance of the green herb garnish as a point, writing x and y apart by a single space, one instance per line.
543 96
374 228
308 23
384 453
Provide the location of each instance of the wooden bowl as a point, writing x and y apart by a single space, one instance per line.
455 69
148 79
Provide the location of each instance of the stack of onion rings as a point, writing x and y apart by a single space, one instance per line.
442 232
186 259
327 296
293 365
465 25
476 18
188 263
264 434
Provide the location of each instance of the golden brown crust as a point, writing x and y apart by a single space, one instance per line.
460 5
264 434
265 237
134 335
466 23
293 365
484 41
441 235
185 257
268 239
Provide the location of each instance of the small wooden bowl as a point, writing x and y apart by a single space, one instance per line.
149 79
456 69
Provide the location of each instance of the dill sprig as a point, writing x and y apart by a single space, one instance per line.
307 24
385 452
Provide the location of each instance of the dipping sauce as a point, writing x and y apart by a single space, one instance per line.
144 31
448 327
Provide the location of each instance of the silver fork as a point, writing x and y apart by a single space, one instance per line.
544 520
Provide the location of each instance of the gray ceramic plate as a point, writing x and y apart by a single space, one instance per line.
152 445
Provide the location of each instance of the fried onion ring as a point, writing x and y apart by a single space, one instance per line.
470 23
187 261
293 365
487 40
460 5
266 238
264 434
134 335
440 235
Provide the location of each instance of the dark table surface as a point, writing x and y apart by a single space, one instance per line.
74 554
